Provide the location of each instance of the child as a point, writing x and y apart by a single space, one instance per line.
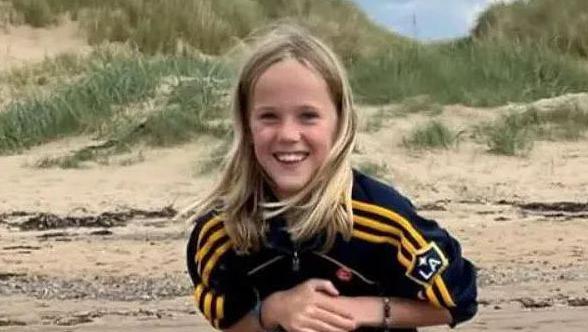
291 237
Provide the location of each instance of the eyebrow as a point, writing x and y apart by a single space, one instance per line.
264 108
308 107
304 107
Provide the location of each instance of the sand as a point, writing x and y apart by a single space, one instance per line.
23 45
533 258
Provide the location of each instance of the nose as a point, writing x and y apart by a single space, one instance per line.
289 131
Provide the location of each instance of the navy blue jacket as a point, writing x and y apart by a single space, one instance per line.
393 252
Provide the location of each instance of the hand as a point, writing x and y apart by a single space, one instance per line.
309 307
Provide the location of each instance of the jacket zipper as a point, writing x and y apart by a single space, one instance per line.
264 265
295 261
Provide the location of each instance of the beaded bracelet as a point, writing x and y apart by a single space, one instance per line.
387 317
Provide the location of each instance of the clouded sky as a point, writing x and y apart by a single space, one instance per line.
426 19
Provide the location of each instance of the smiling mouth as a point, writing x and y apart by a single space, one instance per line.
290 157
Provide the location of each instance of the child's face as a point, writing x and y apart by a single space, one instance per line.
293 122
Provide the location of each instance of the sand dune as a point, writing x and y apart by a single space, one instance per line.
24 44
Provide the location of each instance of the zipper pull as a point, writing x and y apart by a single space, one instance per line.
295 262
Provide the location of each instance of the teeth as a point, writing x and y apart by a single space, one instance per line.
290 157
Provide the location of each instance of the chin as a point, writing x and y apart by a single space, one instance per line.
286 189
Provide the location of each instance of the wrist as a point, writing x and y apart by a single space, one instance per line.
386 313
257 316
365 310
268 314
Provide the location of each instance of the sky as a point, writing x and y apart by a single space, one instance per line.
426 19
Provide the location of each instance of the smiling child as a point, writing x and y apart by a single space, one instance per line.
291 237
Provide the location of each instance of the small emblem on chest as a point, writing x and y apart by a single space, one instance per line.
344 274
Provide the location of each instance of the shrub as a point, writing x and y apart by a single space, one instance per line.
433 134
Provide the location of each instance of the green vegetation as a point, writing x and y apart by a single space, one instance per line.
177 26
468 72
433 134
510 135
160 90
35 13
6 15
568 122
419 104
413 105
515 133
561 25
45 76
102 103
384 67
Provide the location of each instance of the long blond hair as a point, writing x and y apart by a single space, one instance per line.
324 204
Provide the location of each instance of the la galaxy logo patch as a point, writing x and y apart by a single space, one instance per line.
426 264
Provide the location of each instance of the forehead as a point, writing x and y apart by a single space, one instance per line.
290 80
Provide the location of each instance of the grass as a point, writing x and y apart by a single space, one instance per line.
420 104
515 133
8 15
194 106
183 25
41 78
413 105
433 134
510 135
568 122
383 67
93 104
74 108
561 25
467 72
139 96
35 13
177 26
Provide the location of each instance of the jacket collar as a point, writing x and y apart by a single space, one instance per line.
279 238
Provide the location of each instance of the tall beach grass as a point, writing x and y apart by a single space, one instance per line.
515 133
209 26
97 99
468 72
560 25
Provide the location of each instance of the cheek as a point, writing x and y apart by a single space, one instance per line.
254 133
261 142
330 133
322 140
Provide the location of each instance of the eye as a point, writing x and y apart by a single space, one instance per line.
267 116
309 115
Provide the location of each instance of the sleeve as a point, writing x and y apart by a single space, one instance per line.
221 293
428 264
436 263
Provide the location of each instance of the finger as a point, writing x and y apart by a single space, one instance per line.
334 320
333 305
327 287
320 326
